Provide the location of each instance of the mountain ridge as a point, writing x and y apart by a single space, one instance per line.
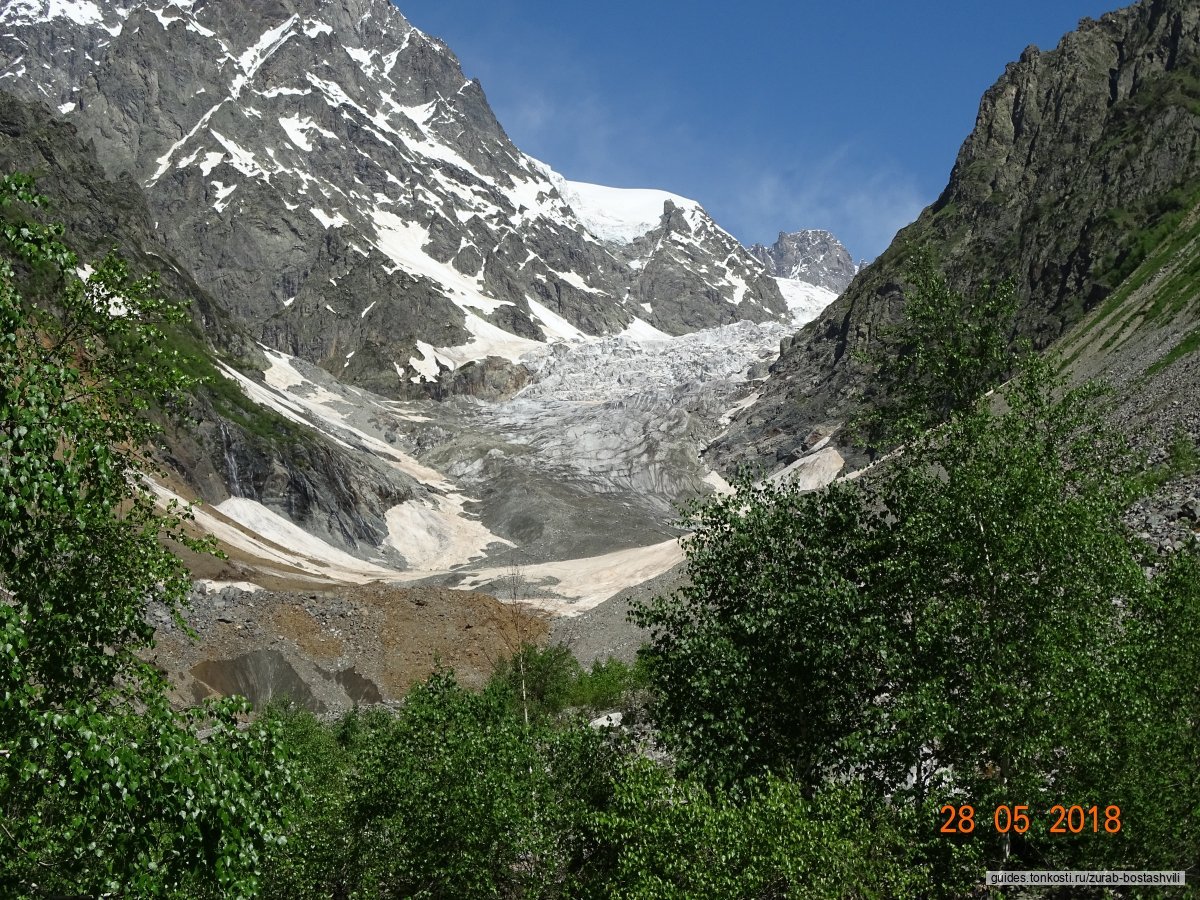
329 169
811 255
1077 155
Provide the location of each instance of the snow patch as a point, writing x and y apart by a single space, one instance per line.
222 191
82 12
313 28
637 330
253 58
427 366
313 554
618 215
804 300
554 326
297 130
337 220
211 160
239 157
436 534
717 483
402 242
590 581
164 161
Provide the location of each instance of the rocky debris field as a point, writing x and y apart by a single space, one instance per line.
331 650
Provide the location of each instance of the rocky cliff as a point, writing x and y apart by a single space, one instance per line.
812 256
1082 160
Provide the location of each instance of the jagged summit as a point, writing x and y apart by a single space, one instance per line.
328 168
812 255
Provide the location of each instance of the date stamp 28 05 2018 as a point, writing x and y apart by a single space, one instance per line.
1059 819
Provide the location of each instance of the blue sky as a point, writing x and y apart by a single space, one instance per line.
775 115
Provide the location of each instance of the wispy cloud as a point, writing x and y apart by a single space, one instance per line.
863 206
753 191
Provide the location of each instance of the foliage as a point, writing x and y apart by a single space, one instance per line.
947 352
970 623
768 657
1182 459
102 786
451 796
676 838
555 681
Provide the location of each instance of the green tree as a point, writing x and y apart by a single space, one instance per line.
453 795
676 838
103 788
961 625
948 350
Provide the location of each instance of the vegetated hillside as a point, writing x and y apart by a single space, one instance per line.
1082 163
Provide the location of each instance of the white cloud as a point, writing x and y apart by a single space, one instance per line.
864 207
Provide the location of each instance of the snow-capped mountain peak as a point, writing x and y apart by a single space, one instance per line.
328 168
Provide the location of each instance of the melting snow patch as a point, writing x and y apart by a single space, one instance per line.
363 314
164 19
717 483
195 26
82 12
553 325
222 191
211 160
573 279
262 522
240 158
437 536
297 130
65 108
587 582
337 220
250 61
363 58
402 242
742 404
427 366
164 161
637 330
488 340
285 92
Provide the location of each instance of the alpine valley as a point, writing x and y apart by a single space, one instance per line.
588 552
430 359
439 373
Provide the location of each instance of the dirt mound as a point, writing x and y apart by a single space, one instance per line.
331 650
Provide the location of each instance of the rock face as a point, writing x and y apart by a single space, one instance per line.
812 256
239 448
326 169
1077 155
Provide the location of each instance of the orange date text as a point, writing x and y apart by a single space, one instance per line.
1009 819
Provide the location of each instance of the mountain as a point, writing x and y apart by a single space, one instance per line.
812 256
328 170
427 354
1079 182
